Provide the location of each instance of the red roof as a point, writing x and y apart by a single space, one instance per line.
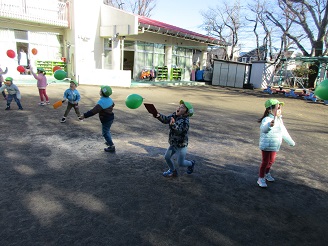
163 28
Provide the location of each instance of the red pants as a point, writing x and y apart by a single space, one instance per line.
43 93
268 158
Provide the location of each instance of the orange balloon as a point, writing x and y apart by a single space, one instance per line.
34 51
55 68
21 69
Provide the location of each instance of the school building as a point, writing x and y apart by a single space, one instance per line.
96 43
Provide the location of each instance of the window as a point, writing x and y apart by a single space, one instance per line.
181 57
21 35
107 54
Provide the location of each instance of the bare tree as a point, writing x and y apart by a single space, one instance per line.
223 22
143 7
259 10
310 16
115 3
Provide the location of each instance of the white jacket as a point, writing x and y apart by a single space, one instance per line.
271 137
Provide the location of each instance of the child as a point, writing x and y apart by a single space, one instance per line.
1 80
178 138
13 93
105 109
41 84
73 97
272 132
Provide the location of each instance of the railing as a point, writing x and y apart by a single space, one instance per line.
49 12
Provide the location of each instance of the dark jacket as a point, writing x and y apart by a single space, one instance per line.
104 108
178 135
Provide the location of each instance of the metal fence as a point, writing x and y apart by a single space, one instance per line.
50 12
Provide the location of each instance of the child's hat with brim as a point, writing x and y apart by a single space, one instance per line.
188 106
106 90
9 79
272 102
74 81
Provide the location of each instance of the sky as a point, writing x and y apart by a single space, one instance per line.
186 14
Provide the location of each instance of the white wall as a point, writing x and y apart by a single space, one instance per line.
115 21
261 74
120 78
88 47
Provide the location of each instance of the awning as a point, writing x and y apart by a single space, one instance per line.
151 25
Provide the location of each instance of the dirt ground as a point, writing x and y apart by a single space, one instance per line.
58 186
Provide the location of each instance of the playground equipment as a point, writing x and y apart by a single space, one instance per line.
273 90
268 90
291 93
287 78
311 97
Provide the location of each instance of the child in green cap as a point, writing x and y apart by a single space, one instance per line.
73 97
1 80
272 131
41 84
104 108
13 93
178 138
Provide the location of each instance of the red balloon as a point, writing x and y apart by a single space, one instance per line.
34 51
11 53
21 69
55 68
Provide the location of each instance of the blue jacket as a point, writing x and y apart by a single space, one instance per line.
73 96
12 90
271 137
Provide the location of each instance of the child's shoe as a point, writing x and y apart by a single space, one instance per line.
20 108
7 108
110 149
261 182
47 102
80 118
63 120
269 178
190 169
41 103
170 173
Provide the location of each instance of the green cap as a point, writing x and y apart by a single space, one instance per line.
40 69
272 102
107 91
188 106
74 81
9 79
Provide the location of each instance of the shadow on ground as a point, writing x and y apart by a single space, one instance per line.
58 186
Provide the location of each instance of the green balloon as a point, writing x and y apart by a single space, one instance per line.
133 101
321 90
60 74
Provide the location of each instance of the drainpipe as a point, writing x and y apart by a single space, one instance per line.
122 51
